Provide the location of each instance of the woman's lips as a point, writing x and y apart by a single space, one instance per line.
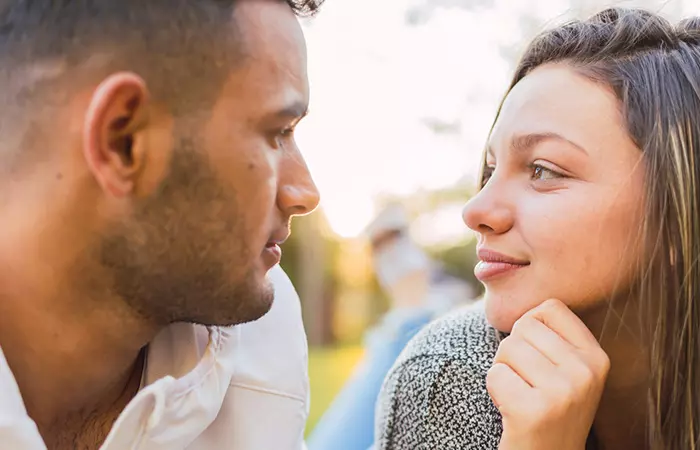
493 265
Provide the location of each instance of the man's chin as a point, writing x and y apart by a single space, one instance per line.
258 309
244 306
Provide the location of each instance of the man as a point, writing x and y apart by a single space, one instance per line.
148 176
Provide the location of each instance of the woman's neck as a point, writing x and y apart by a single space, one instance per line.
620 422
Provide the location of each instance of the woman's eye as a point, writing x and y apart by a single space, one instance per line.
541 173
486 174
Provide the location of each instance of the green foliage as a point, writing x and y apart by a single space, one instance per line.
292 249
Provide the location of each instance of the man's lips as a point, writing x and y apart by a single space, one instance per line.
278 238
272 253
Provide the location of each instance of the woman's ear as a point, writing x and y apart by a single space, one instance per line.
113 143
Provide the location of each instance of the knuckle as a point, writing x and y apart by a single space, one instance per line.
584 373
494 378
494 373
552 303
587 380
507 346
522 325
598 364
603 362
547 307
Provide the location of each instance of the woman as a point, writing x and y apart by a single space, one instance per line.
589 235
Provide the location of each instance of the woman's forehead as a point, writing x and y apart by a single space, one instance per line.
555 100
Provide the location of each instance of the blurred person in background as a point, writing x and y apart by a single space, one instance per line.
419 290
588 224
149 175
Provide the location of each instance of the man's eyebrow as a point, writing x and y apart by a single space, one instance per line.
296 110
525 142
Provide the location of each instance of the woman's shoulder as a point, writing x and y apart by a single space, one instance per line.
436 391
463 335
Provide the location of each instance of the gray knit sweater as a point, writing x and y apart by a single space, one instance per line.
435 396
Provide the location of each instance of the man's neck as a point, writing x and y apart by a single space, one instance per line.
70 365
89 429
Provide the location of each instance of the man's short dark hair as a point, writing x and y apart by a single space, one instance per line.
178 46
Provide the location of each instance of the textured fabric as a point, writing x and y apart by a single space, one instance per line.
17 430
435 396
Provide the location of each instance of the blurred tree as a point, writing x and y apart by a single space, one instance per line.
459 260
425 201
309 259
422 12
529 23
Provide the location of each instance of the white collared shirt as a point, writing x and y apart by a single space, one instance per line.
239 388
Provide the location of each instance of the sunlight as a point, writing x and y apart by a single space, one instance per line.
396 108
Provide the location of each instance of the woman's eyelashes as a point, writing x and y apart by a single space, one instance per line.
541 172
487 173
536 170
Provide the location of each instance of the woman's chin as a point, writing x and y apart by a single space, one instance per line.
499 322
502 311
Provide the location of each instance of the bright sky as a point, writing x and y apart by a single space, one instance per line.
375 80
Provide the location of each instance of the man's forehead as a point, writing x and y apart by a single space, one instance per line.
272 70
263 26
255 94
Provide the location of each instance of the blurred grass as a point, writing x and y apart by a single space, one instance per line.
329 368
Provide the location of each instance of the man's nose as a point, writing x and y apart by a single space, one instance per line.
297 193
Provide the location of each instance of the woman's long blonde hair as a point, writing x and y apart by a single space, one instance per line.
653 67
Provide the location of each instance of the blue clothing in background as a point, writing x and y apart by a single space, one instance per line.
348 424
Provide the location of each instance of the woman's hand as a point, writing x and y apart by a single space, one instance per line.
547 380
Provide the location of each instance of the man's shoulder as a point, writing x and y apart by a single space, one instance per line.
269 385
271 353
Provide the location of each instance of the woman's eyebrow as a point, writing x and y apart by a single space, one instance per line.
526 142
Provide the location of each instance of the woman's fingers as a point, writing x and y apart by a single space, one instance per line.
544 339
547 380
504 385
560 319
556 316
525 360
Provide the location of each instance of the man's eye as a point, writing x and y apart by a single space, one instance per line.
283 136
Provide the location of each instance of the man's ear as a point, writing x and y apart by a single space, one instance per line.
113 144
